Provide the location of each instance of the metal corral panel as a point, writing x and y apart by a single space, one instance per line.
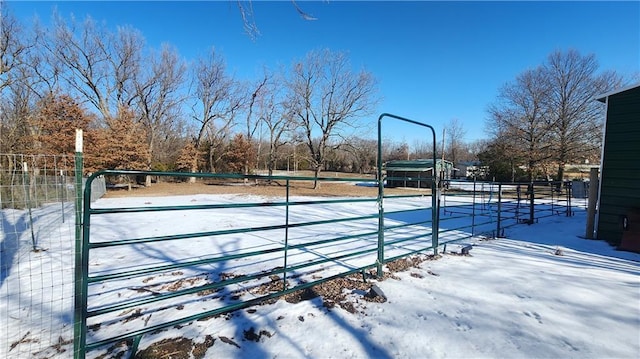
620 187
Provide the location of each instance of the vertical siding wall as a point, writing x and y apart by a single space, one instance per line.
620 188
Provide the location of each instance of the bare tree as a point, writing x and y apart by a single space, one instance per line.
159 100
397 151
217 103
576 118
99 66
363 154
15 96
454 140
277 119
16 108
502 157
520 118
12 46
421 148
258 91
326 99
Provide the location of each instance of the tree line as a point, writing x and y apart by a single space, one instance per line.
146 108
547 118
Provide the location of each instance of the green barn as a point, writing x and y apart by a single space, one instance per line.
416 173
618 220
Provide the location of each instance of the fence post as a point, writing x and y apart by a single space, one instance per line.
569 191
435 215
27 201
473 208
499 209
286 238
593 197
380 259
532 197
63 184
79 317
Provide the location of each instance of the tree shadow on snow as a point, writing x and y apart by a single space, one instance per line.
10 244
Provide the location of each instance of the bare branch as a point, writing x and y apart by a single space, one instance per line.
326 98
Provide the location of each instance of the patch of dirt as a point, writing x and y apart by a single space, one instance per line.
272 189
175 348
407 263
229 341
339 292
168 286
116 351
274 285
136 314
333 292
58 347
200 349
251 334
181 283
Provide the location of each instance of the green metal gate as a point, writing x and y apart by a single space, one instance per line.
294 251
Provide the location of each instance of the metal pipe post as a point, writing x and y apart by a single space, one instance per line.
80 280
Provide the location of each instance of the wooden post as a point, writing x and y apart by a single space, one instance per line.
591 206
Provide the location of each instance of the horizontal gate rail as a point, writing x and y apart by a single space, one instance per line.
285 252
497 206
286 248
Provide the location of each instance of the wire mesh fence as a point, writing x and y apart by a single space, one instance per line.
36 256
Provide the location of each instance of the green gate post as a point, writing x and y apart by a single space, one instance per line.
569 186
532 198
435 205
80 279
380 259
473 208
498 235
435 211
286 238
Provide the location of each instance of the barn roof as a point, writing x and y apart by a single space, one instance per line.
603 97
418 165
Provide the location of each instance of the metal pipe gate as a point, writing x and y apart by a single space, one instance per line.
289 250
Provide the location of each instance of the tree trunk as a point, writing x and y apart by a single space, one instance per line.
316 174
560 172
246 171
194 168
212 168
147 180
530 171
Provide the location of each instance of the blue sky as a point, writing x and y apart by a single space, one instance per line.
434 61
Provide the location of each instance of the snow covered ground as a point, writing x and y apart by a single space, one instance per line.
541 292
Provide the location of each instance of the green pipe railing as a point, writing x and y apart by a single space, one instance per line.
509 204
288 271
405 238
409 242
